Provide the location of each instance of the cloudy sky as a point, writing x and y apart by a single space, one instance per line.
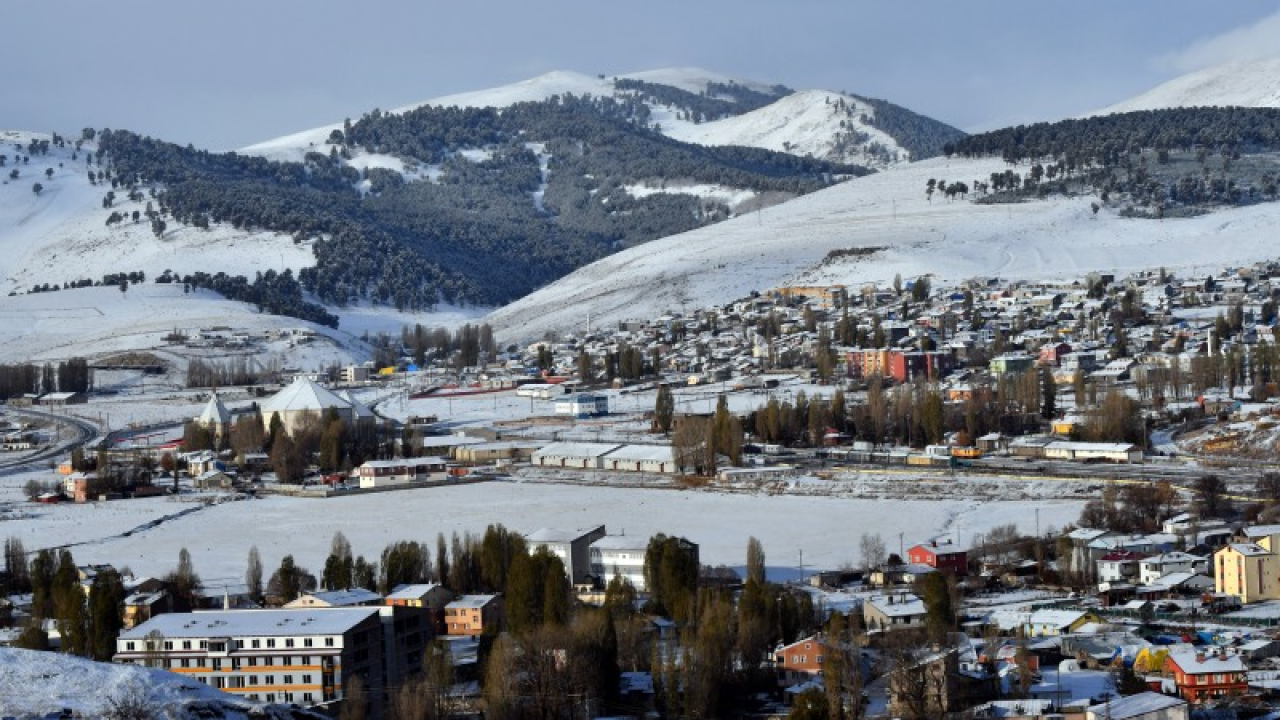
229 73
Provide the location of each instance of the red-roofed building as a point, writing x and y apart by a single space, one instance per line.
942 555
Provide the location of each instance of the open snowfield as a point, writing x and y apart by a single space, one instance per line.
951 240
825 528
1246 83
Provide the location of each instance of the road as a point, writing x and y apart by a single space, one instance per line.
83 433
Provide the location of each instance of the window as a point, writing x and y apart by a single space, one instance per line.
328 642
257 643
306 679
253 662
186 644
186 662
288 642
306 697
217 664
271 642
253 679
306 642
288 679
269 680
168 644
199 662
128 645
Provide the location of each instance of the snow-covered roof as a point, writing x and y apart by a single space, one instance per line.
411 592
1249 549
266 623
904 605
359 410
304 394
1198 662
577 450
1257 531
621 542
472 601
653 453
1140 705
215 413
554 535
341 598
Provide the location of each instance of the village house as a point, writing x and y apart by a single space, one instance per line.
1200 675
893 611
942 555
404 471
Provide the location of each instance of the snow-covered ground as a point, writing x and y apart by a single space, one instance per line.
826 528
60 234
1245 83
804 123
952 240
35 683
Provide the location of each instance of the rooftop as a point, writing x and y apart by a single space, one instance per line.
265 623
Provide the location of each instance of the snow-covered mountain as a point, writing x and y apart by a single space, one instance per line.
900 230
33 684
1246 83
806 123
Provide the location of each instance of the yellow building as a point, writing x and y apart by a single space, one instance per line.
1250 570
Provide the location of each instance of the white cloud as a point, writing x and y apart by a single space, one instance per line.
1250 42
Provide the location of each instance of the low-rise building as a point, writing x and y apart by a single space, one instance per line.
474 614
1201 676
893 611
388 473
941 554
573 547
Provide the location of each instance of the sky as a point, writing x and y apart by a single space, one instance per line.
226 74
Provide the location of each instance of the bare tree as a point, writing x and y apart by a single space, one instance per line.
872 549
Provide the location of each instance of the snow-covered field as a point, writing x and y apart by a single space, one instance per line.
951 240
826 528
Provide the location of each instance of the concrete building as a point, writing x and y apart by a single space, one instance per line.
583 405
573 547
304 656
472 614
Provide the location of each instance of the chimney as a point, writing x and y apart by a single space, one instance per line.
1200 656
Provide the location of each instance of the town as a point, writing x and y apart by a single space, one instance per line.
1150 398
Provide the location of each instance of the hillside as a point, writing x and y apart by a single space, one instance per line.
1249 83
35 683
806 123
899 231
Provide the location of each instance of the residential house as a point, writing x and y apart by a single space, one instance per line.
1200 675
1250 570
404 471
941 554
799 661
893 611
1151 569
1118 566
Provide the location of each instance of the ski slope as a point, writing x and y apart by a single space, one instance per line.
951 240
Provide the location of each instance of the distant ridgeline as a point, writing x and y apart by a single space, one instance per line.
479 232
1154 163
718 101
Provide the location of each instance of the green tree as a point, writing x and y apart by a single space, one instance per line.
106 605
1049 388
664 409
